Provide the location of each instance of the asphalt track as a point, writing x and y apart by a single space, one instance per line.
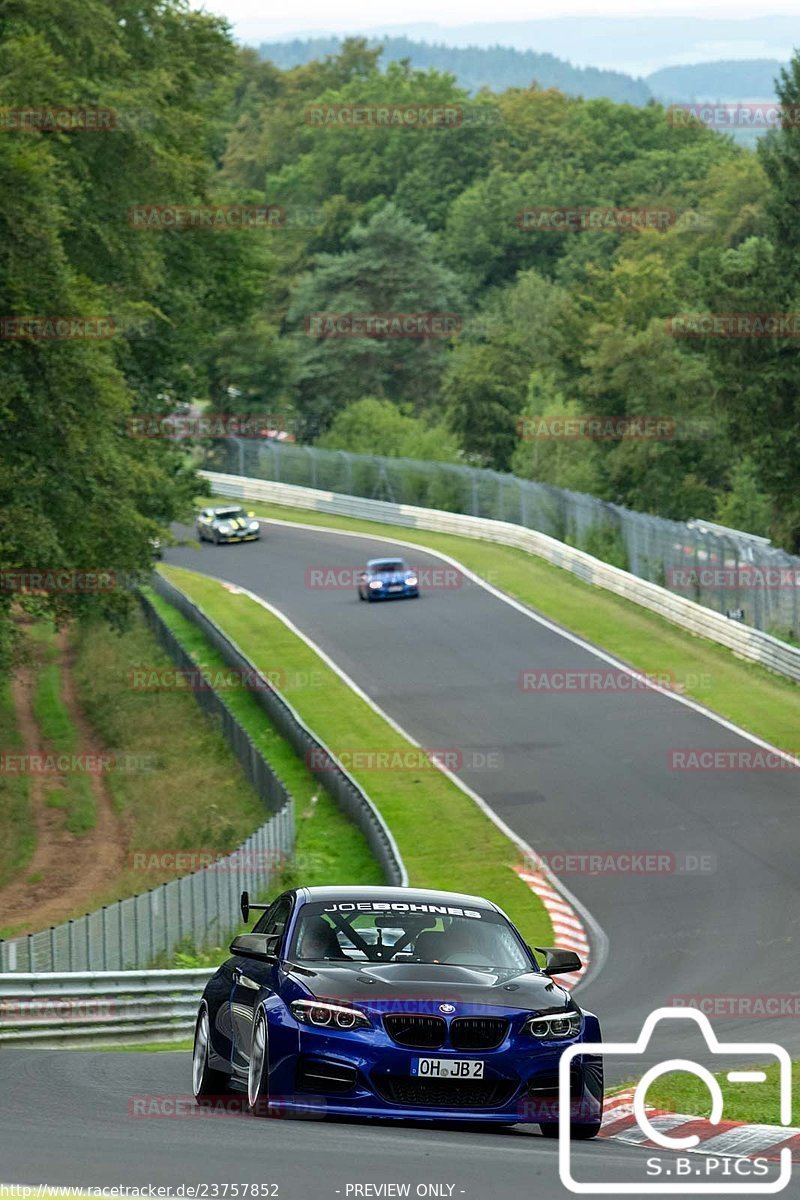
579 772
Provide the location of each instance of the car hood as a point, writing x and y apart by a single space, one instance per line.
369 983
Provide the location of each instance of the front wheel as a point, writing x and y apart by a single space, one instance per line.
258 1070
579 1133
206 1081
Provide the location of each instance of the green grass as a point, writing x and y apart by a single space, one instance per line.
17 833
74 794
754 698
461 849
755 1102
329 848
179 787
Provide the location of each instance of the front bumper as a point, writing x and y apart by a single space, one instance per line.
239 537
366 1074
392 592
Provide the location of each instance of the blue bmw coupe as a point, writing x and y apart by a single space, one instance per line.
398 1003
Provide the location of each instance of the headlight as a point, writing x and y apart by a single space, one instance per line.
554 1027
254 524
411 580
329 1016
224 528
376 583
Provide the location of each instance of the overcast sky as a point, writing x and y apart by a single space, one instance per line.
350 15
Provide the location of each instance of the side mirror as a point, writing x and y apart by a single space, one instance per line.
259 946
247 907
251 514
559 962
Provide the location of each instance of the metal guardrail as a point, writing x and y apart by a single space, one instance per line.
724 570
319 759
87 1008
202 907
743 640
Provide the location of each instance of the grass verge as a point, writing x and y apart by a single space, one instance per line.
182 790
17 833
758 1103
459 850
754 698
74 794
329 849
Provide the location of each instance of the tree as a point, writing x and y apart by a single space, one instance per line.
373 426
389 266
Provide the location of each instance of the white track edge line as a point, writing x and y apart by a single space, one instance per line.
598 937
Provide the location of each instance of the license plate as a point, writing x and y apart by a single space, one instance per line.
447 1068
396 587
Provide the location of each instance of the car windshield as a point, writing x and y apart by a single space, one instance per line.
228 514
387 931
389 566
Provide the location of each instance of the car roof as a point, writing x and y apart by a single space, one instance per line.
374 562
226 508
382 892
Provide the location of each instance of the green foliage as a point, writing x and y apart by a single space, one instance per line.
373 426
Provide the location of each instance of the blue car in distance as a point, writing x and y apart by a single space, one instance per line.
387 579
396 1003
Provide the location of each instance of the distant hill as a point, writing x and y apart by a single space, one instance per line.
635 45
727 80
495 67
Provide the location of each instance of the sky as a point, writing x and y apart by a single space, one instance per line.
356 15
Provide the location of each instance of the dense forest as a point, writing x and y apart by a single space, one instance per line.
551 322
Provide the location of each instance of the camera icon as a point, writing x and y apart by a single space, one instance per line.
661 1138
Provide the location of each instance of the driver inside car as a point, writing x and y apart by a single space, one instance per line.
319 941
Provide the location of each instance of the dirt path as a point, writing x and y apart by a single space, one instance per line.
66 873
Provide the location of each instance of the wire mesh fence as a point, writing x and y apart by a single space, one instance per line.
730 572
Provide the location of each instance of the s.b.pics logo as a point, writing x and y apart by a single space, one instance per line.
682 1173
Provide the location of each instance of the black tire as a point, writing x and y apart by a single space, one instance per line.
258 1071
578 1133
361 595
206 1080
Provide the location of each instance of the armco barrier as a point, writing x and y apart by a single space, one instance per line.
84 1008
743 640
353 801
